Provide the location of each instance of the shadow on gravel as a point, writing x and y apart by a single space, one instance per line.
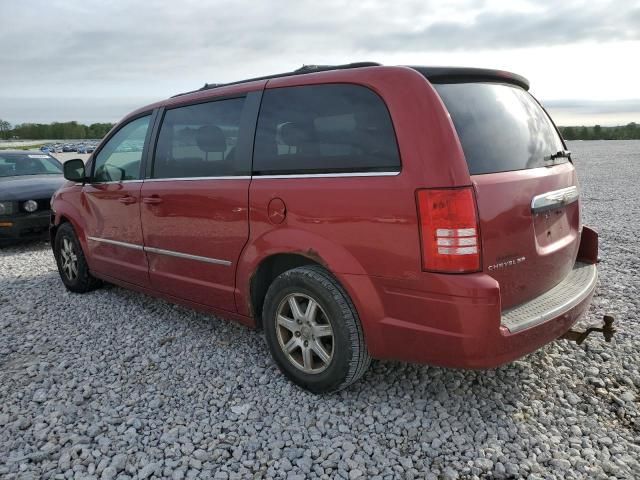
51 278
29 245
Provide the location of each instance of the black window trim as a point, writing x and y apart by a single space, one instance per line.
244 145
152 114
360 172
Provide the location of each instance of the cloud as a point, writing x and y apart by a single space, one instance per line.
596 107
555 25
585 112
118 40
83 49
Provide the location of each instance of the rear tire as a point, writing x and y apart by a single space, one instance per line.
71 261
313 330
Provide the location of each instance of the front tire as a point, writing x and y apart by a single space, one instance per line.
313 330
72 265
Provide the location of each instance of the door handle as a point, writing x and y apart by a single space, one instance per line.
153 200
127 199
554 200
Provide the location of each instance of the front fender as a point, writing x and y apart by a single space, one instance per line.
65 207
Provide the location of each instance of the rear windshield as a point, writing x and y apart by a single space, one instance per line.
501 127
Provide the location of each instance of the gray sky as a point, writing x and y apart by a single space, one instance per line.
94 61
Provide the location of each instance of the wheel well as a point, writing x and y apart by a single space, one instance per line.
54 229
267 272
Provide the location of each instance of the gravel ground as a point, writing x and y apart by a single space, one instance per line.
115 384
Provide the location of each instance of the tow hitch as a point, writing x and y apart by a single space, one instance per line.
607 330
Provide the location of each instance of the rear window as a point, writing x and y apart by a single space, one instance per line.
324 129
199 140
501 127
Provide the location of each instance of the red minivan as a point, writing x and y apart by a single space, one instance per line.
423 214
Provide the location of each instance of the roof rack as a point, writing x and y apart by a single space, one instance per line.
300 71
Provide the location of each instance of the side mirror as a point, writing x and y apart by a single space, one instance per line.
74 170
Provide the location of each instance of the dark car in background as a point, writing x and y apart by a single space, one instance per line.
28 179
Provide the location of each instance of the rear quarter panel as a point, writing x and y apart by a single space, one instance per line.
365 226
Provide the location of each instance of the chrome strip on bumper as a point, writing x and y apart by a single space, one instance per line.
160 251
577 286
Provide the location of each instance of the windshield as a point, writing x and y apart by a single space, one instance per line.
18 164
501 127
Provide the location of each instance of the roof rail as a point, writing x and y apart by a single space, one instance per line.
300 71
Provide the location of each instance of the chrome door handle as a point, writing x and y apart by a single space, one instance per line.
152 200
555 199
127 200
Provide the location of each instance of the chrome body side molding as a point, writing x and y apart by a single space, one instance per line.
161 251
187 256
132 246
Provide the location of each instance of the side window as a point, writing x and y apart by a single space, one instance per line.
324 129
199 140
120 158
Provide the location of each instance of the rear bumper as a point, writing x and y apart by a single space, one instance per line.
24 226
578 285
456 320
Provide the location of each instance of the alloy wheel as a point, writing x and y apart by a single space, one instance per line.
304 333
69 259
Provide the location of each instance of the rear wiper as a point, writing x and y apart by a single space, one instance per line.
559 154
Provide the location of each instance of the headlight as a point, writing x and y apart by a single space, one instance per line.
6 208
30 206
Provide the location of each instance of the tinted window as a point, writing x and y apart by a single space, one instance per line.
120 157
501 127
199 140
16 164
323 129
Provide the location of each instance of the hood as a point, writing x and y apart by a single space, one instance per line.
29 187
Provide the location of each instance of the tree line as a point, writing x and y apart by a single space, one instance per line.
75 130
630 131
53 131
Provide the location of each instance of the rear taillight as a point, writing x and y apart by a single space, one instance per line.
449 230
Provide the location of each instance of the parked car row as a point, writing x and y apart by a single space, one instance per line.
353 212
81 147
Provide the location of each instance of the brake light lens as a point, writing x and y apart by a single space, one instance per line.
449 230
